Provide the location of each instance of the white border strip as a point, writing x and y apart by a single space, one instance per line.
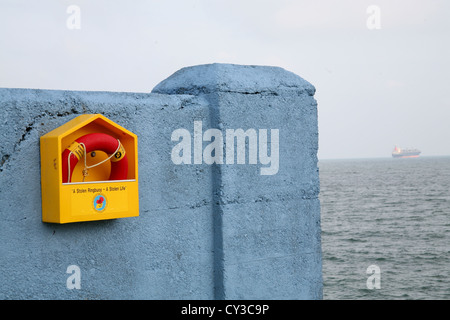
107 181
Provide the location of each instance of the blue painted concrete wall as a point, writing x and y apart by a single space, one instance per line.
220 231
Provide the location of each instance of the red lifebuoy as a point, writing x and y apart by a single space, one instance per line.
92 142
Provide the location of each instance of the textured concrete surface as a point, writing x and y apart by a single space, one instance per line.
269 225
204 231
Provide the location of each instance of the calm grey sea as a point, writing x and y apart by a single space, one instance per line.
392 213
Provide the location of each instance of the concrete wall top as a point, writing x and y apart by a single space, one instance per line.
232 78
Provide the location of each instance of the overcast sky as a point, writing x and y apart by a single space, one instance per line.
376 88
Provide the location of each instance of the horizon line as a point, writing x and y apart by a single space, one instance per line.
379 157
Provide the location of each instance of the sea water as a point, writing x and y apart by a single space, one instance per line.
390 213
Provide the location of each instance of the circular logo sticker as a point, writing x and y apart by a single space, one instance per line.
99 202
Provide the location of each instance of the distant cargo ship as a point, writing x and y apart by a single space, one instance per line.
405 153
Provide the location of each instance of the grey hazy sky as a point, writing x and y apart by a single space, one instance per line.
375 88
